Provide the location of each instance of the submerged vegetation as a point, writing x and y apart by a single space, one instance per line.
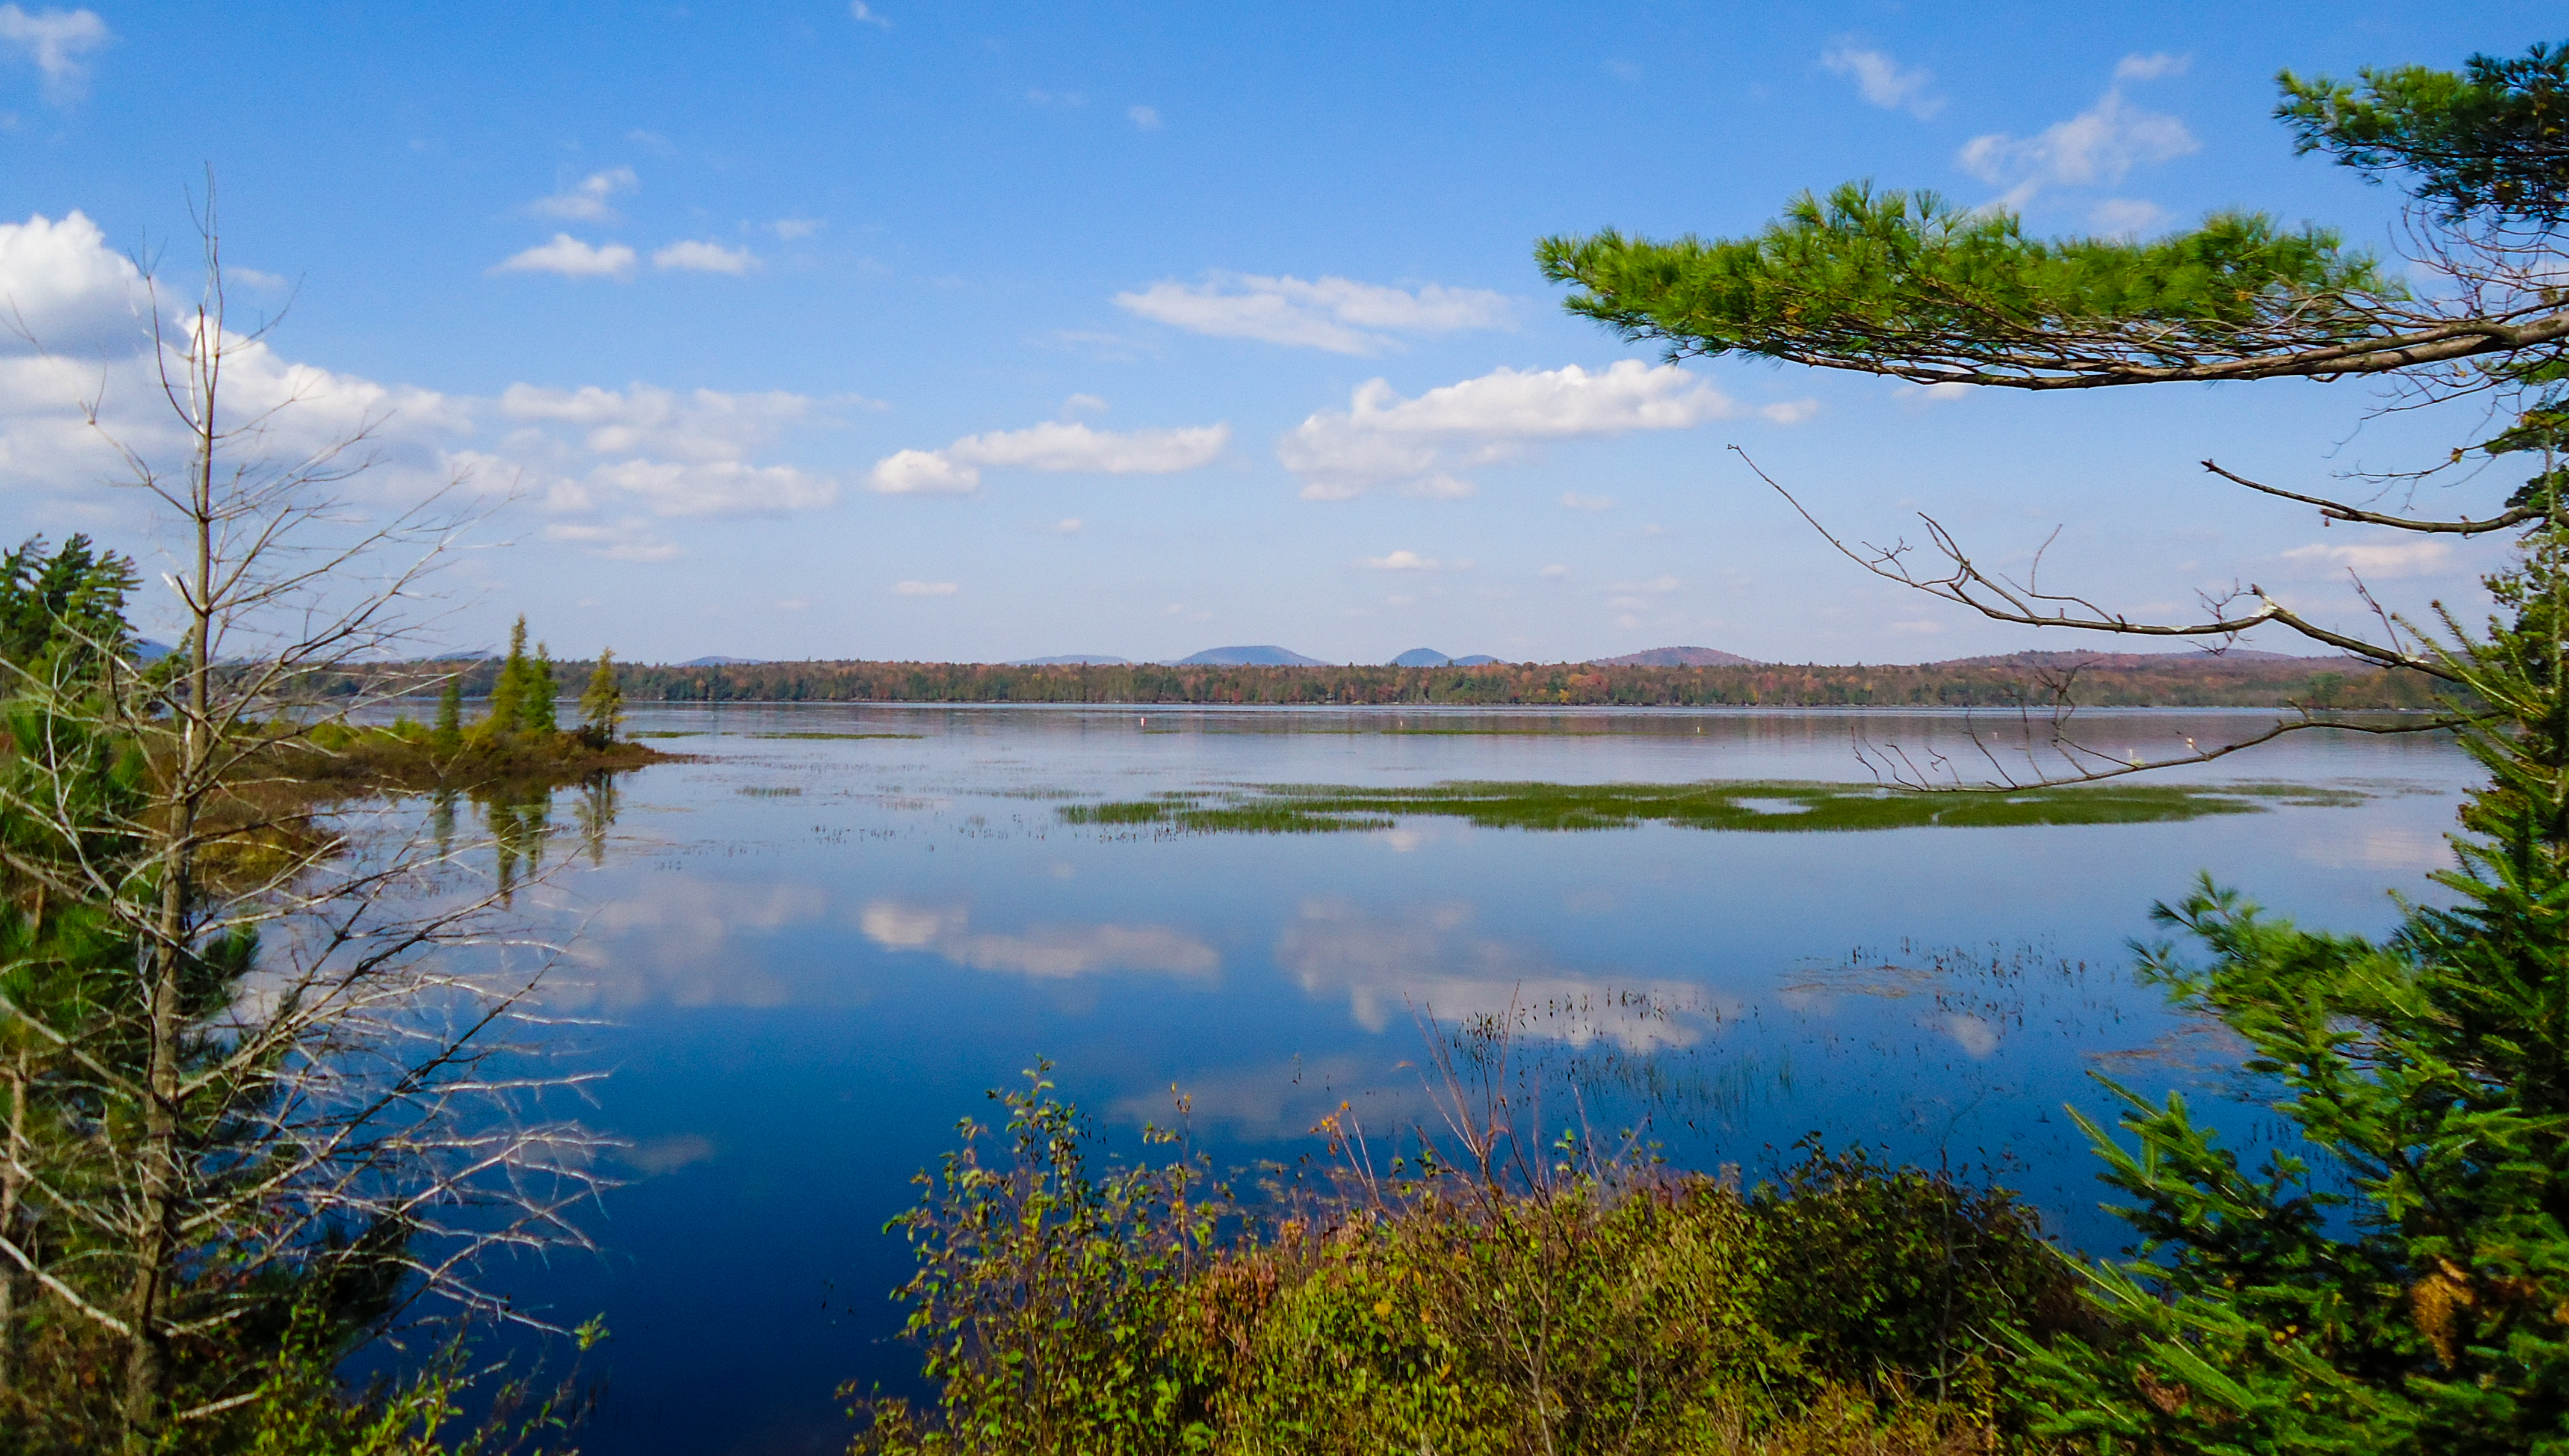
1756 807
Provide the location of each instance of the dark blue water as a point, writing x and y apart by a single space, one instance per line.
810 956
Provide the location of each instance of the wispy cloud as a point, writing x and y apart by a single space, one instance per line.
704 257
1052 445
2099 147
571 258
923 588
863 14
1383 439
1886 83
1401 562
1338 314
1049 952
1146 117
1576 501
57 42
591 199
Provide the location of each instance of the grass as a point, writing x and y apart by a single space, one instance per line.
1757 807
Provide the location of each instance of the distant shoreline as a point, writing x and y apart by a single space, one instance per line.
2095 680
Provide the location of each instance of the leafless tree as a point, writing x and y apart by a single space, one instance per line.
319 1058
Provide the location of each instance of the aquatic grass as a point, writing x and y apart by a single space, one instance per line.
1749 806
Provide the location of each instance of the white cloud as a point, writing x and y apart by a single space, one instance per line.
1788 412
1043 953
1654 585
1067 99
2125 216
2387 561
673 453
2137 67
55 40
631 540
1083 404
1381 438
587 199
1885 82
864 14
1338 314
795 229
66 286
1554 572
923 588
1576 501
2098 146
1052 445
704 257
1401 562
1144 117
1068 525
571 258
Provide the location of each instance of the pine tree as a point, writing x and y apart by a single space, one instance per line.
2398 1281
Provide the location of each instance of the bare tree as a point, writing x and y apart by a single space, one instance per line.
298 1063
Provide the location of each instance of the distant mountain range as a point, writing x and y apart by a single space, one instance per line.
1268 656
1674 657
721 661
1430 657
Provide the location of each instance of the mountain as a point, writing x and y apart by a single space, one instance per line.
1268 656
1422 657
1674 657
1477 659
1073 659
721 661
146 650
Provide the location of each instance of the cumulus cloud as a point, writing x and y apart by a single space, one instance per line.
2099 147
669 452
1383 439
571 258
704 257
587 200
1338 314
1886 83
2150 67
1040 952
57 42
83 304
1055 445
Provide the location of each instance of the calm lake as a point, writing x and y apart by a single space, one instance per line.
805 954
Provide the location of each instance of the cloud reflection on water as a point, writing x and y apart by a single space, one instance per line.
1044 952
1426 961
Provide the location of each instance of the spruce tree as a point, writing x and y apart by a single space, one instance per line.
537 695
508 690
601 703
449 734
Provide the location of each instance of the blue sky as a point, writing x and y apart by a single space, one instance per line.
974 332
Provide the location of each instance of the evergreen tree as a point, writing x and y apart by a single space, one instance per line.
2400 1283
448 736
508 690
601 703
537 695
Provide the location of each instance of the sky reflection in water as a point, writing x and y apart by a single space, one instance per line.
811 954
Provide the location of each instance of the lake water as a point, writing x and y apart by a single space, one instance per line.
808 957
